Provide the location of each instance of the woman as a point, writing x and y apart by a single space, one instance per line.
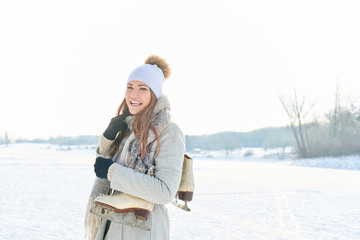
139 154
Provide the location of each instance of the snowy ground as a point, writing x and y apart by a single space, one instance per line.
44 192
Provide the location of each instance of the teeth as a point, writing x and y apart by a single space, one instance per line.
135 102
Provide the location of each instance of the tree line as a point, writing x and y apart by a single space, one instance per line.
271 137
65 140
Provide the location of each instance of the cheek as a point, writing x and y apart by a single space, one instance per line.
126 95
147 99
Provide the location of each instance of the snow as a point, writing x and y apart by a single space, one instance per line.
343 162
44 190
276 155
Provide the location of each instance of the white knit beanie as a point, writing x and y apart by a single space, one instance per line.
151 75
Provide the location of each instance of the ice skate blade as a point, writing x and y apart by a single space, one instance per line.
140 213
183 207
116 217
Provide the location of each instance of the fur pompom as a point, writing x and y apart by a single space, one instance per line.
161 63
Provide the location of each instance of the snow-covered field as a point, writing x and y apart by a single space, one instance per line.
44 192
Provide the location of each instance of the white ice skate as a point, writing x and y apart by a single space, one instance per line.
110 207
187 185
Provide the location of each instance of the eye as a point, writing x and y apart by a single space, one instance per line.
129 87
143 89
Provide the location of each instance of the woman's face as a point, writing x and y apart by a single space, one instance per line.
138 96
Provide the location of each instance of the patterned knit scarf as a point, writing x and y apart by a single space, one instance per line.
145 165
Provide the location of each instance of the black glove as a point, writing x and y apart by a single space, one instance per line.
116 124
101 166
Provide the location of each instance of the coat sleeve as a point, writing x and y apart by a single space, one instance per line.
104 146
162 187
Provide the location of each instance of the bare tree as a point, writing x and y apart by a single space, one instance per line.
343 119
297 111
6 139
334 123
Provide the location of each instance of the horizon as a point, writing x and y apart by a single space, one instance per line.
94 135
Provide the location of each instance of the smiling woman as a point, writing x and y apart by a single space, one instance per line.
138 96
139 162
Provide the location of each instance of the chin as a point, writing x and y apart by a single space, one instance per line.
135 111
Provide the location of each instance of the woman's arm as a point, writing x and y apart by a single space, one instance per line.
162 187
104 146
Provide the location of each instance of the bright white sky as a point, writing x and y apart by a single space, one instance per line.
64 64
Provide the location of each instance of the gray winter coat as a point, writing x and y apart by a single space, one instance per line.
159 189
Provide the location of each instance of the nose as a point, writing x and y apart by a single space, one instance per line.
134 93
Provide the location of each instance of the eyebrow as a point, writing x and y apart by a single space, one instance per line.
140 85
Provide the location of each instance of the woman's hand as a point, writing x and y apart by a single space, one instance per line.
101 166
116 124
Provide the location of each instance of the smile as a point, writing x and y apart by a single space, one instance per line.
135 103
